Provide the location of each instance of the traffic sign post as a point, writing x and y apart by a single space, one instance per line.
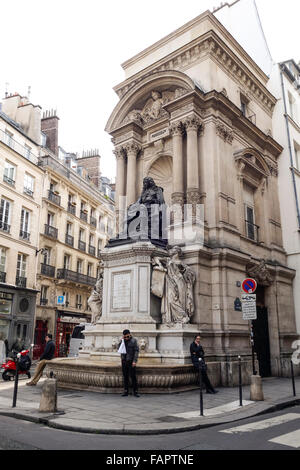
249 307
249 286
249 310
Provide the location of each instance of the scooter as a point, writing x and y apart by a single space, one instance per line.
9 367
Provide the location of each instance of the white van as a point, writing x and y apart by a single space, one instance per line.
77 339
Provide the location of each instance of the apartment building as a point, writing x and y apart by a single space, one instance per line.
21 183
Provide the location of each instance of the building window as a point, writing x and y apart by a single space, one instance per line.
66 296
50 219
25 225
5 213
21 265
67 261
81 235
9 175
28 184
44 295
90 270
47 255
250 228
2 264
79 266
78 301
292 105
27 152
5 303
9 139
297 156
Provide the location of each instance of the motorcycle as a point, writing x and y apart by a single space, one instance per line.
9 367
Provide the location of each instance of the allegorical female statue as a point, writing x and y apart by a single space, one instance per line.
95 299
173 282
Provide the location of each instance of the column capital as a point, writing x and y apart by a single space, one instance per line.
119 153
132 147
176 128
192 123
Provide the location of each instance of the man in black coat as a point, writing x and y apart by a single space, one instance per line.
129 356
45 357
197 353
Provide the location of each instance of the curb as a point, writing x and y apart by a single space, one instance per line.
153 429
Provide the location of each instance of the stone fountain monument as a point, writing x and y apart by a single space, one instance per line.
143 285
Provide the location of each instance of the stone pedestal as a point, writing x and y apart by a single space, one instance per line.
48 403
256 390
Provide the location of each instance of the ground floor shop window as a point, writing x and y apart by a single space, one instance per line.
5 303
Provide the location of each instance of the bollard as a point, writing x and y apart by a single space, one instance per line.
48 401
293 378
256 391
16 381
240 381
200 385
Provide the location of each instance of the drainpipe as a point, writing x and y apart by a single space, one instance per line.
290 149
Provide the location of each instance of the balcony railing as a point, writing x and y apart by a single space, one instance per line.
93 221
71 208
8 180
81 245
47 270
54 197
75 277
21 281
4 227
28 191
2 276
83 216
252 231
51 231
24 235
69 240
92 250
102 227
13 144
43 301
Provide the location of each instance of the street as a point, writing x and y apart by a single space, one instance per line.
273 431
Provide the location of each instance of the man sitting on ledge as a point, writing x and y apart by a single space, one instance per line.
45 357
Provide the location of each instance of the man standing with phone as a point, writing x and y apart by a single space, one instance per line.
129 350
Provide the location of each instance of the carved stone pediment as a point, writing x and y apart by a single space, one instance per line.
260 273
252 164
152 109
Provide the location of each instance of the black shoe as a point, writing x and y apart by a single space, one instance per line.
125 394
136 394
209 391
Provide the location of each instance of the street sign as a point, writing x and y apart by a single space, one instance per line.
249 286
60 300
249 307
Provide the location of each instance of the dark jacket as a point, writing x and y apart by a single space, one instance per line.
196 353
49 351
132 350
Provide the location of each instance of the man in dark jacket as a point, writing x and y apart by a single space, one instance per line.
45 357
197 353
129 358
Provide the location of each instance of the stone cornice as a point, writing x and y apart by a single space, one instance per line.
208 45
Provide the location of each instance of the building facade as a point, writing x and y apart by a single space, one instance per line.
195 114
21 185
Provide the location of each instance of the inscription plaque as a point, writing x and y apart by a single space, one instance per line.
121 291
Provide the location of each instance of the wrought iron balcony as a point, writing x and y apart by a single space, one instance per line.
47 270
252 231
21 281
51 231
28 191
71 208
43 301
83 216
75 277
8 180
92 250
24 235
69 240
93 221
54 197
81 245
4 227
2 276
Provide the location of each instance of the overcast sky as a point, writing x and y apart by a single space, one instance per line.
70 53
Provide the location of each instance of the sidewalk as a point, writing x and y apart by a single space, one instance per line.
91 412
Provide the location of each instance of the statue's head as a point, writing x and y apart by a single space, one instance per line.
176 250
156 95
148 182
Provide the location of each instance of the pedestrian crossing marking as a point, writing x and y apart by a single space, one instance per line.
292 439
263 424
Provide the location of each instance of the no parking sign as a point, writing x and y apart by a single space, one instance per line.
249 286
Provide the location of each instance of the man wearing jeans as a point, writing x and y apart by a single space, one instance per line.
129 350
45 357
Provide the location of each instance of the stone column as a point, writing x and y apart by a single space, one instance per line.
176 131
120 186
132 150
192 124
